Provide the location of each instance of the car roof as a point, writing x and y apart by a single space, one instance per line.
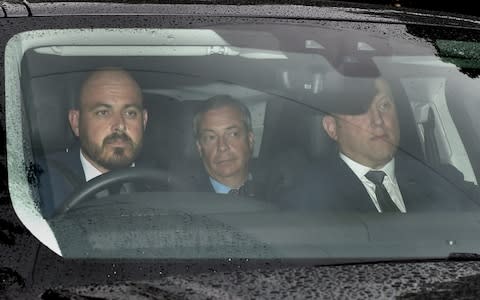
373 11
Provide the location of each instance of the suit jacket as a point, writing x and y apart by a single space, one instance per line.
196 179
332 186
60 174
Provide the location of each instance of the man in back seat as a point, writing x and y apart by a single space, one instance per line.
109 120
224 139
369 174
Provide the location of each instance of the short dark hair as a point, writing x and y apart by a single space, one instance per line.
218 102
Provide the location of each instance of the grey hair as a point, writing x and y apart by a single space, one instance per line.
220 101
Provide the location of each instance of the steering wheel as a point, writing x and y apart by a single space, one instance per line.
109 179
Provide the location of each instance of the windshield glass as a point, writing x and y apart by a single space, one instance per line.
328 140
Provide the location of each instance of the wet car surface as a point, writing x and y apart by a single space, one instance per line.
420 281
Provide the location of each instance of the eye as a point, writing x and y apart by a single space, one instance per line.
385 106
102 112
208 138
131 113
234 133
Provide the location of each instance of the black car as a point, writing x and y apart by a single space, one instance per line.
300 70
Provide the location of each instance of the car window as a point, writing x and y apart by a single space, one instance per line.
244 140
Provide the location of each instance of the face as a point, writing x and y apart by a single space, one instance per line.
225 145
371 138
110 120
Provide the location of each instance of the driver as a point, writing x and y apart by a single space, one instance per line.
109 121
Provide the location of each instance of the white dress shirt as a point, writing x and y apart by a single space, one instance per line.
389 181
89 170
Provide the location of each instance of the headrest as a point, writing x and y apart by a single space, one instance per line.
47 112
185 141
160 132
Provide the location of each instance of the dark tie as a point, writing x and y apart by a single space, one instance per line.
235 192
241 191
383 198
246 190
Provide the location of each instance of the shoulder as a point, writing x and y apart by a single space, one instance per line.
59 174
440 188
320 177
60 165
193 179
413 168
70 156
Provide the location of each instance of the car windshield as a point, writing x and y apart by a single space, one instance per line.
324 140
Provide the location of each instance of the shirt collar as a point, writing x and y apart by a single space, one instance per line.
89 170
360 170
220 188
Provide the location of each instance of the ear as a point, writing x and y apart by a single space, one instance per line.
199 148
330 126
73 118
145 118
251 140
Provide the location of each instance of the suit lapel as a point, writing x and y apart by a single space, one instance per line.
411 179
202 182
70 166
352 191
76 163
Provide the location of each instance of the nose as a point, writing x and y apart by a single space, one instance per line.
376 117
222 143
118 122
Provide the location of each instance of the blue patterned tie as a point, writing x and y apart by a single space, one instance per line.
234 192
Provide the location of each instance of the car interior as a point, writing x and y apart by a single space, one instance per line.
288 131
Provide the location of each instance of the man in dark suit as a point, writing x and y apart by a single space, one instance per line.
224 139
368 174
109 120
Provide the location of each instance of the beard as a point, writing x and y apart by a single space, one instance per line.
117 157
